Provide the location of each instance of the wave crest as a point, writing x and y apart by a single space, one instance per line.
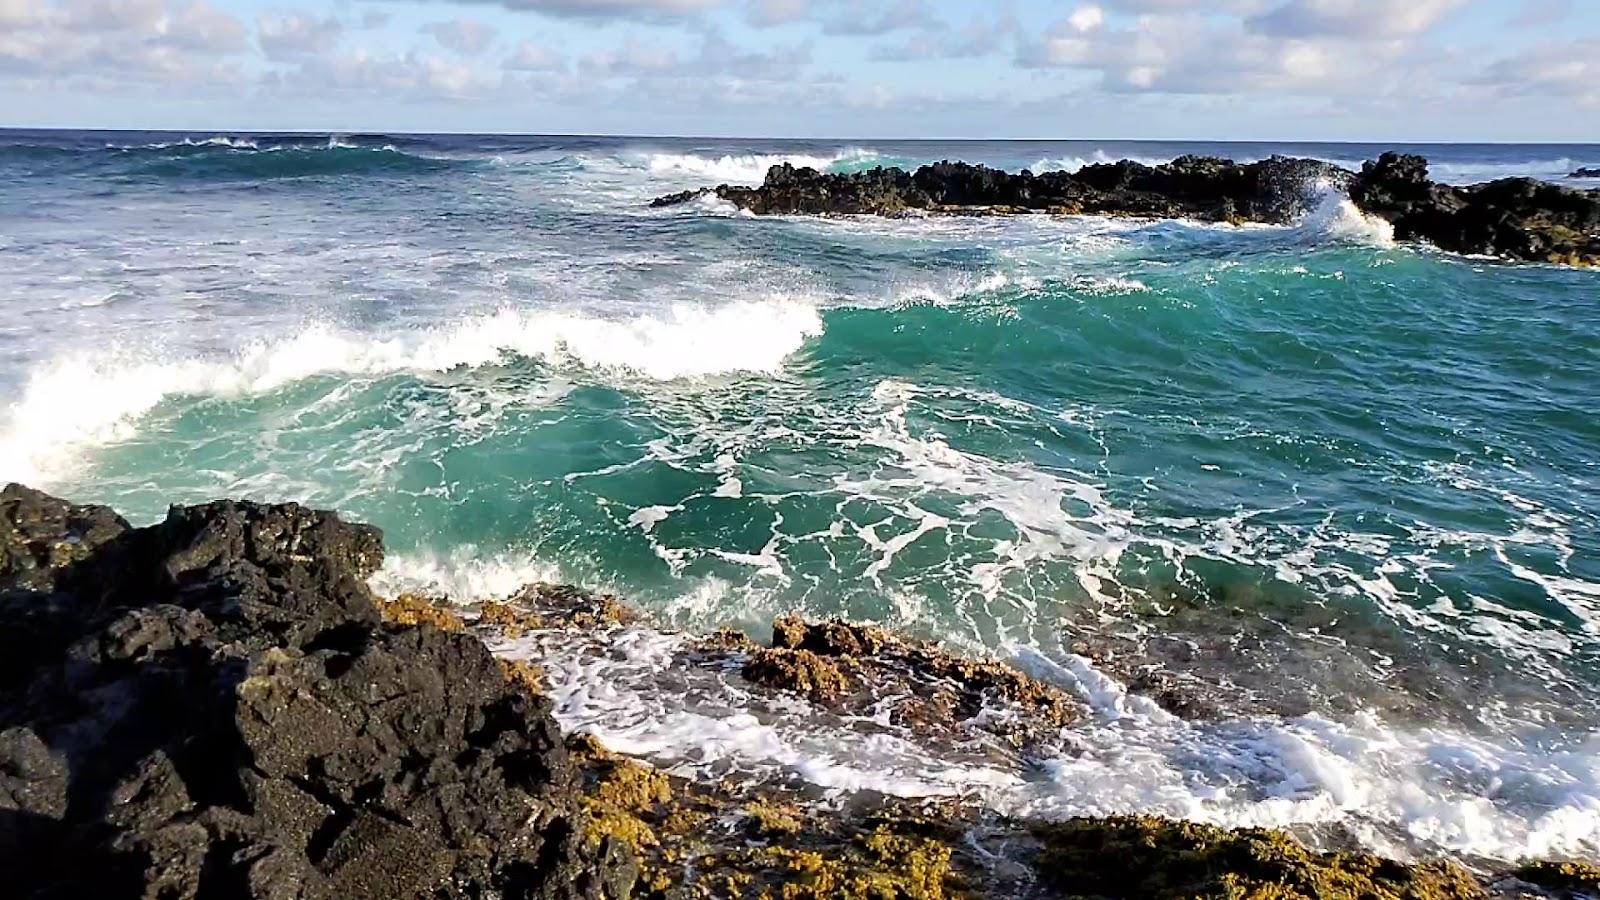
1334 215
751 168
78 402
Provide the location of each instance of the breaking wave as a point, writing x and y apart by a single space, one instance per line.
229 157
1334 215
752 168
1401 790
81 401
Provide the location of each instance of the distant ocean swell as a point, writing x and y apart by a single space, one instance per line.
244 156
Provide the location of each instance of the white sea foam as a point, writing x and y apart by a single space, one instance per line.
1098 157
220 140
748 168
465 574
1400 790
83 400
1336 216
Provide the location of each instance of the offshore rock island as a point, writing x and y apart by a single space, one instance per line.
1514 218
219 706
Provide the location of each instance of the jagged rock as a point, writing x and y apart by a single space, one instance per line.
1516 218
1586 172
853 668
1198 187
801 671
1570 878
41 535
1156 858
218 710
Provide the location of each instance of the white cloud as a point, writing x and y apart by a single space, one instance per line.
1541 12
714 59
975 39
110 15
1352 18
767 13
119 45
287 37
464 36
201 27
876 17
1086 18
1192 54
411 76
531 57
1569 71
634 10
19 13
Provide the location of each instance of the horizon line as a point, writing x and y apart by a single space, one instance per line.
832 138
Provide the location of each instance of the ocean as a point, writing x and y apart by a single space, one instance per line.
1334 501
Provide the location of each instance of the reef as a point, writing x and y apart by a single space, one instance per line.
1513 218
218 706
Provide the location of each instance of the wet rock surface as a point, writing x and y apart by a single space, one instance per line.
217 706
213 707
1272 190
939 689
1586 172
1514 218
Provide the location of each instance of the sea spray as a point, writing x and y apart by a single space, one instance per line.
74 403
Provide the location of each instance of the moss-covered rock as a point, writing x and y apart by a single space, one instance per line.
801 671
1161 859
414 609
1570 877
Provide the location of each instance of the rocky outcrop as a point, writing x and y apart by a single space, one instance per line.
1272 190
1514 218
1138 856
217 706
213 707
1586 172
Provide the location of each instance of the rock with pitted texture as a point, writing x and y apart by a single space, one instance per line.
1272 190
1514 218
213 707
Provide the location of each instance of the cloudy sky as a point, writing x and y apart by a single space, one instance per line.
1206 69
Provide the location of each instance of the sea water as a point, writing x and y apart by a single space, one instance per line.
1343 494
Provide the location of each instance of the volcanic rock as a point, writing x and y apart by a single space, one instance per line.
213 707
1514 218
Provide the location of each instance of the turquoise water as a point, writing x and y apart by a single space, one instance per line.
1316 474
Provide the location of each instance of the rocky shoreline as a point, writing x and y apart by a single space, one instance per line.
1513 218
218 706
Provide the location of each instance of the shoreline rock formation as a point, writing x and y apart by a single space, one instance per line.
1586 172
213 707
1514 218
217 706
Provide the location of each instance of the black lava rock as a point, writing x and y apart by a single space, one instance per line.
212 707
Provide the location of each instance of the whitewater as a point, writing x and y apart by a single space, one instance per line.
1334 494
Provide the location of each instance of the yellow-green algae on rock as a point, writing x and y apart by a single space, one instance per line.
696 839
1161 859
1571 878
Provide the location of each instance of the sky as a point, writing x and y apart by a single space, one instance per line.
1380 70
